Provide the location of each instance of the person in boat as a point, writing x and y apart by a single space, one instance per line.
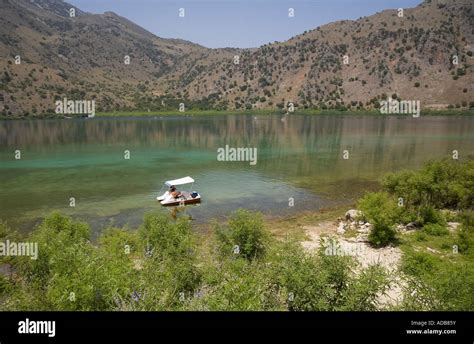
174 192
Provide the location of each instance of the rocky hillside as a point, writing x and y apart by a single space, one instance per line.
346 64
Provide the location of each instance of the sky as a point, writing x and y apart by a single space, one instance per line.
237 23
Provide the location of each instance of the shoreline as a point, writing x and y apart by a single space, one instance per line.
188 113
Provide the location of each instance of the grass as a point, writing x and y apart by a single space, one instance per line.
419 242
438 277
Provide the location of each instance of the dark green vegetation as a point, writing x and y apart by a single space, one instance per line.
165 265
438 262
419 198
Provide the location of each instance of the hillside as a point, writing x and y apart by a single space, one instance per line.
82 57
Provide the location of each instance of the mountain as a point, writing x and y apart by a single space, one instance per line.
83 57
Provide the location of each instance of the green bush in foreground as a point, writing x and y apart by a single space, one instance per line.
433 284
164 237
381 235
382 211
465 236
320 282
288 278
244 234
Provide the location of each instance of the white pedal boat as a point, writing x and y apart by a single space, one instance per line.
182 197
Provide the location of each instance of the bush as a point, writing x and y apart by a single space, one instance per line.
244 235
59 238
445 287
440 184
165 284
382 211
163 237
366 289
238 285
379 207
6 233
70 273
418 263
5 286
420 236
381 235
119 242
450 216
435 229
303 276
465 237
170 261
430 215
324 282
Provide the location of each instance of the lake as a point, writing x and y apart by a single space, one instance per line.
299 156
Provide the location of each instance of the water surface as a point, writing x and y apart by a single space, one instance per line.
298 156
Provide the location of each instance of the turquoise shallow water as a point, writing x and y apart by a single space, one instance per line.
298 156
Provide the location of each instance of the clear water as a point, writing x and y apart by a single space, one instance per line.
298 156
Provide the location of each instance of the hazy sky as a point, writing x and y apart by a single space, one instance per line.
237 23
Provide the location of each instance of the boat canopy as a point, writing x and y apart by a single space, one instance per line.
180 181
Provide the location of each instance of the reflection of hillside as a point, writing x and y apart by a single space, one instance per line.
294 146
311 153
